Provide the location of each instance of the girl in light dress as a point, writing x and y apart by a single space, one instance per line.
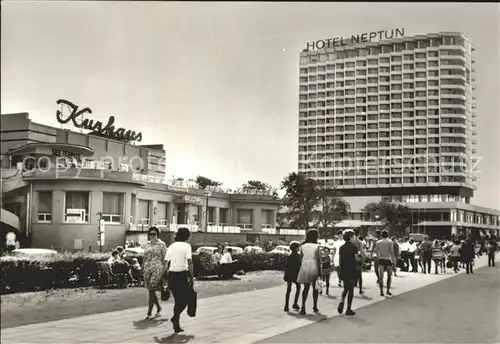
310 269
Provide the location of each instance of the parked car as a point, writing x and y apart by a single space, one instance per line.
236 249
253 250
281 249
134 252
24 252
206 249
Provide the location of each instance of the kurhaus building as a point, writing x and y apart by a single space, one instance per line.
394 120
59 184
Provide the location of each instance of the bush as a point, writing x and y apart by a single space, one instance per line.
76 270
23 274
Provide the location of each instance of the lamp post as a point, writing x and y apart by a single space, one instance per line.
207 194
100 232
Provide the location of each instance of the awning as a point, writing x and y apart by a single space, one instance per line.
47 148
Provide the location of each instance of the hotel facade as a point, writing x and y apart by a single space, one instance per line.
59 185
395 120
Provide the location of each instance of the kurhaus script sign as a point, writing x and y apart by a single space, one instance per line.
355 39
95 127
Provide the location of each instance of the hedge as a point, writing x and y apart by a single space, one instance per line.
76 270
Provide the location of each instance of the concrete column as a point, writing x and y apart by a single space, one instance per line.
127 199
152 216
231 216
136 208
216 216
256 219
201 217
170 212
273 218
96 203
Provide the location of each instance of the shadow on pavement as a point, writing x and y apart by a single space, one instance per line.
331 297
356 320
363 297
145 324
313 316
174 338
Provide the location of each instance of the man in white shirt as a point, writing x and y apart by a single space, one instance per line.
217 259
227 265
180 274
113 258
411 252
336 246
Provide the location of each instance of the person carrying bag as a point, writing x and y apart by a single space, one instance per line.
180 275
192 302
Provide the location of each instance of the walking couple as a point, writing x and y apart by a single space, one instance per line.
303 266
173 266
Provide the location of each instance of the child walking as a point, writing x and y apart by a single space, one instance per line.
292 267
326 267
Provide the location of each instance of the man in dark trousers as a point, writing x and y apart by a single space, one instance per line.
468 254
348 272
426 248
360 257
374 254
491 247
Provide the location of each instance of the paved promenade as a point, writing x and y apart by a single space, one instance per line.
238 318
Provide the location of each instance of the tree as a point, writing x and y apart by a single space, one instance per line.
331 208
257 185
300 199
396 217
282 217
203 182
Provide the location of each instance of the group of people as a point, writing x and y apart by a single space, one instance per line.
125 271
225 265
455 253
311 264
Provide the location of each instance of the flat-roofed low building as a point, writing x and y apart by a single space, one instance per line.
60 183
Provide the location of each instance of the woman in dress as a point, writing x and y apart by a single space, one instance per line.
180 274
437 255
310 268
154 268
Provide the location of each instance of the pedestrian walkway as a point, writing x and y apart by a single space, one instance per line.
237 318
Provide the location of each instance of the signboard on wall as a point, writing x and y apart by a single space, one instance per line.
75 215
97 128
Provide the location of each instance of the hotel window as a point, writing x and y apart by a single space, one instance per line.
44 213
112 207
161 214
244 218
267 218
77 206
223 216
143 212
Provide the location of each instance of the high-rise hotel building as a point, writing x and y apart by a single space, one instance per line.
394 118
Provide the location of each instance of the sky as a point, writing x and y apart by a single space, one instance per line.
217 83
